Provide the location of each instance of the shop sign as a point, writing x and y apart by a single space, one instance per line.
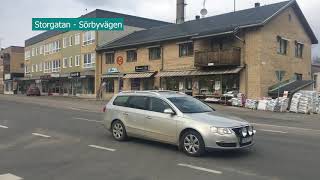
119 60
75 74
45 77
141 68
112 70
7 76
55 75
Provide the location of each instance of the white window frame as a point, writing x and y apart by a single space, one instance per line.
27 55
89 60
77 60
89 37
65 62
32 52
40 67
56 66
77 39
70 61
41 49
70 41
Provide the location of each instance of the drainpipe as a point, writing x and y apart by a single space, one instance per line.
162 63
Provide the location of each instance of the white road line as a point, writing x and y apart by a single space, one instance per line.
200 168
84 119
103 148
273 131
4 127
41 135
9 177
287 127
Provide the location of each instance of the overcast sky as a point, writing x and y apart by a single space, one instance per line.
15 15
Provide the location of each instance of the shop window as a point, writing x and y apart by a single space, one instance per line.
109 85
298 76
299 49
154 53
109 58
135 84
186 49
132 56
282 45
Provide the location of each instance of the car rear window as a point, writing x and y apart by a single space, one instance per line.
121 101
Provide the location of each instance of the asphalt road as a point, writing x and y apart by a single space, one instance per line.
54 143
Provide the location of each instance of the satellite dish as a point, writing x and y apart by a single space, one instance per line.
204 12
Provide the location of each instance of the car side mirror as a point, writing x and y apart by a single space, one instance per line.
169 111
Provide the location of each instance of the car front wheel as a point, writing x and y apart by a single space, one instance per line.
118 131
192 143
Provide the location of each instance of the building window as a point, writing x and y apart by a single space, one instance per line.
109 58
27 69
70 41
154 53
37 51
135 84
32 68
298 76
132 56
299 49
27 55
89 37
282 45
32 52
36 67
41 49
109 85
52 47
40 67
65 63
66 42
315 79
77 39
70 62
186 49
56 66
47 67
77 60
89 60
21 65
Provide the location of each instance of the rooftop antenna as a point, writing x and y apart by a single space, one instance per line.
204 11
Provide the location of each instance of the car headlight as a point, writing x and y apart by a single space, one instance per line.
250 130
221 131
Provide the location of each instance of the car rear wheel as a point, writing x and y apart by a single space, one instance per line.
118 131
192 143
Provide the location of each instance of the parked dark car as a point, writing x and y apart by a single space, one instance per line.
33 91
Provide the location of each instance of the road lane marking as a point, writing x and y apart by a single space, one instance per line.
78 109
103 148
9 177
4 127
273 131
41 135
89 120
200 168
287 127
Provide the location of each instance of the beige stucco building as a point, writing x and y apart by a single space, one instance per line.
240 51
64 62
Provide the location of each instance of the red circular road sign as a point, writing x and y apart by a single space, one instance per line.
119 60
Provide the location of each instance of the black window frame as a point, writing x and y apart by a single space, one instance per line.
109 58
299 49
282 42
132 56
154 53
189 49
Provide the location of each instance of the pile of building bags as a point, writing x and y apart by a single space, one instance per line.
302 102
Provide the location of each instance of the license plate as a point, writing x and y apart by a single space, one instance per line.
246 140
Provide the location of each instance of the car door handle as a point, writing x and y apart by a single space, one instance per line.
126 114
148 117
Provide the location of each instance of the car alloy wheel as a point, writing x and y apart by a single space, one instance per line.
119 131
191 144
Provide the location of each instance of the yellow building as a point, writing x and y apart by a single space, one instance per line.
64 62
239 51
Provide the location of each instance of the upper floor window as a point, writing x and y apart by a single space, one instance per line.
109 58
89 37
32 52
27 55
47 67
131 56
70 40
70 61
56 66
77 39
52 47
186 49
27 69
65 63
77 60
89 60
154 53
299 49
40 67
66 42
282 45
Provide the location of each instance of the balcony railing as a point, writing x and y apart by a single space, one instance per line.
218 58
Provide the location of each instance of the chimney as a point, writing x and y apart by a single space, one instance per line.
256 4
197 17
180 11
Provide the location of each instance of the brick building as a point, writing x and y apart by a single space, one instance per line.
238 51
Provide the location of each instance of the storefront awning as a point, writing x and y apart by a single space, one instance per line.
138 75
112 75
199 72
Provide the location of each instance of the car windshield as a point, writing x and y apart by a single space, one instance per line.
190 105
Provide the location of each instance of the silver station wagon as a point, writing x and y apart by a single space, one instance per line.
175 118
